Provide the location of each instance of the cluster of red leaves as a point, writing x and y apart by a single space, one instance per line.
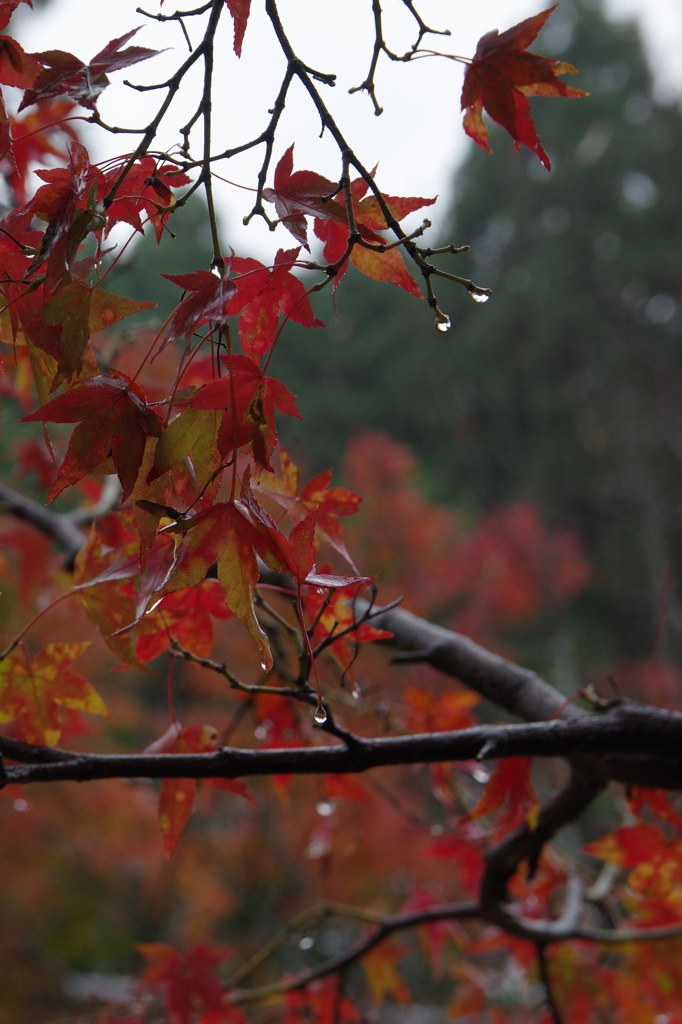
142 576
300 194
503 571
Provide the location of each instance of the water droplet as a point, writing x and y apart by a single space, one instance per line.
264 665
307 942
325 808
444 324
437 830
356 692
320 715
478 296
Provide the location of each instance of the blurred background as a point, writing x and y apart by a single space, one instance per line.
522 482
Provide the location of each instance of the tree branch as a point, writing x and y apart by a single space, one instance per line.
626 727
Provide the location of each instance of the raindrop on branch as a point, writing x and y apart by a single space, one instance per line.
320 715
478 296
443 325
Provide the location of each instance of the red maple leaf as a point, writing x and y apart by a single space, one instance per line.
61 323
209 294
511 790
239 9
369 220
7 9
184 616
17 67
501 77
263 293
67 75
330 503
32 137
146 188
299 194
67 205
187 982
229 534
249 399
334 613
114 421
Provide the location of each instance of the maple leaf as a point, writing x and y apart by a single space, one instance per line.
109 582
509 787
61 323
113 420
656 800
187 982
501 77
7 9
177 796
321 1002
31 138
239 9
67 75
249 399
333 614
33 695
330 503
369 220
184 616
381 973
208 299
299 194
69 206
656 861
229 534
146 188
17 67
263 293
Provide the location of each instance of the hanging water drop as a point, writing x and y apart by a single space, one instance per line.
320 715
264 664
444 324
307 942
479 296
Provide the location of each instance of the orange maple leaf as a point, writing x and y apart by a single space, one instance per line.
501 77
385 981
32 694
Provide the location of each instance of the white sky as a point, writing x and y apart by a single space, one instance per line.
416 141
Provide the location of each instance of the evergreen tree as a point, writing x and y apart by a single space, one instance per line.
565 388
568 382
